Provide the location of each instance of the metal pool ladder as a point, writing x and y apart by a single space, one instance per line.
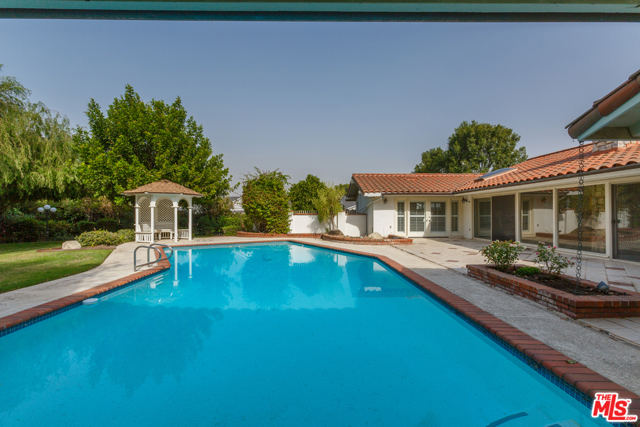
149 248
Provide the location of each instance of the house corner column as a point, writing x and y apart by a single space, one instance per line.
608 218
556 210
518 227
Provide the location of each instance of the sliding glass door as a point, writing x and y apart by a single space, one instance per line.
482 218
626 215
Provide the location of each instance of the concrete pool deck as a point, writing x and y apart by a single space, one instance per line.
613 358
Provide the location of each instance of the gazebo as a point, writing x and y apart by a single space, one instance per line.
157 210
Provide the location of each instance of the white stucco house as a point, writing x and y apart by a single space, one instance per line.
533 201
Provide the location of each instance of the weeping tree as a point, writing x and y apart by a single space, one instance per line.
37 159
327 204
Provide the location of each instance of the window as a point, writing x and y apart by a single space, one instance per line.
416 216
438 217
454 217
526 214
400 217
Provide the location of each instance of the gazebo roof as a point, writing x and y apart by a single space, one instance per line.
164 186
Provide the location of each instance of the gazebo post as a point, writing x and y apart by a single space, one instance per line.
152 206
175 222
137 210
190 222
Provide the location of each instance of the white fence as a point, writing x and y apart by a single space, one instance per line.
353 225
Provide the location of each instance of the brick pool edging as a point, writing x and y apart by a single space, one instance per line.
24 318
278 235
574 306
557 367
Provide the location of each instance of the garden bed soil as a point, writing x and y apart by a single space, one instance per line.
618 304
562 283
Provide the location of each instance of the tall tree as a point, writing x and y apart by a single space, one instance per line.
303 192
474 148
137 143
37 159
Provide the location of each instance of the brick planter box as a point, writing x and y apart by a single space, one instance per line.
575 306
392 240
272 235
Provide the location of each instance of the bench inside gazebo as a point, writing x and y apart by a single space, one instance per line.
157 206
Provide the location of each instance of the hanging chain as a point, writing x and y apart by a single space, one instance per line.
580 214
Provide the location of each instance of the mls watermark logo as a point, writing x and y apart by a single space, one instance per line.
611 408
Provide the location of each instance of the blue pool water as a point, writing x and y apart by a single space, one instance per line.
270 335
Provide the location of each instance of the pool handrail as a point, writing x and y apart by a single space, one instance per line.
162 245
149 248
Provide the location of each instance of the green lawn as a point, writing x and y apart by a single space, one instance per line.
22 266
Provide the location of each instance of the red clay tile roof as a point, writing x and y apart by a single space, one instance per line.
560 163
405 183
556 164
163 186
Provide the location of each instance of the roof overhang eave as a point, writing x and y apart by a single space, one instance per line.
604 129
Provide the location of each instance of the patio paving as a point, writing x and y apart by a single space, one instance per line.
456 254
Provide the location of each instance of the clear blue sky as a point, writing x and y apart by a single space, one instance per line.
329 99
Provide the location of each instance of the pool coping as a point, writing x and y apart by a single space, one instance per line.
574 378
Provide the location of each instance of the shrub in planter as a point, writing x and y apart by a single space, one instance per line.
108 224
504 254
551 262
527 271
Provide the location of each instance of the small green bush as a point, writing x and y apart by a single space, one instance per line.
209 226
231 230
105 238
527 271
504 254
61 230
21 229
108 224
126 235
550 261
83 226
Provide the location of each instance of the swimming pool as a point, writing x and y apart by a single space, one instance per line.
273 334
